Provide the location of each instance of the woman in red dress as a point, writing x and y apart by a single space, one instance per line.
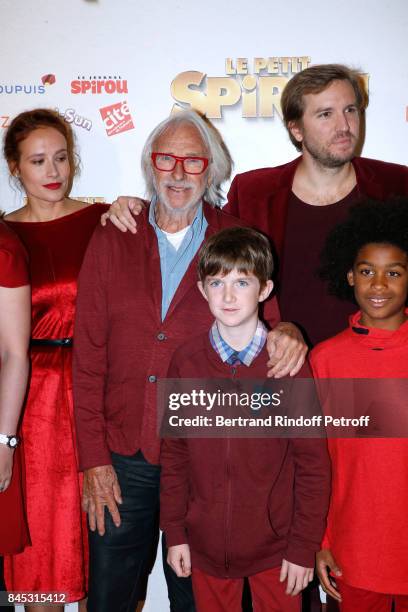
55 230
14 337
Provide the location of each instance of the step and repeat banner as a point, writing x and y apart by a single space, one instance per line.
114 69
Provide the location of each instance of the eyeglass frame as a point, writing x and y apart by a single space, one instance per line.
177 159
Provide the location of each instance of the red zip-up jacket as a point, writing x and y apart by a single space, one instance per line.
242 504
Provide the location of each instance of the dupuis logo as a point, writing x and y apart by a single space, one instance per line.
31 88
48 79
117 118
99 85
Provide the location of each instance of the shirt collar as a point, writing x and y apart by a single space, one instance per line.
246 355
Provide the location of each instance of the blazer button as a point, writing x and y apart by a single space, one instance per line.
161 336
152 378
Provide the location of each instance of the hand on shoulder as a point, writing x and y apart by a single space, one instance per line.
122 211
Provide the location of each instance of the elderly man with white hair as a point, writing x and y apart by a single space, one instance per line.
137 302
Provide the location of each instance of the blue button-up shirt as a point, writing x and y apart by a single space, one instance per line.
174 262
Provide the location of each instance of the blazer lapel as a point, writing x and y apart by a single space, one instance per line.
366 181
279 210
153 264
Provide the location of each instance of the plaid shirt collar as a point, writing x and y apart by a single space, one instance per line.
233 357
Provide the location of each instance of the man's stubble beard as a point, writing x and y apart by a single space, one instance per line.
326 159
165 202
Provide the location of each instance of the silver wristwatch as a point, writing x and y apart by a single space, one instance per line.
11 441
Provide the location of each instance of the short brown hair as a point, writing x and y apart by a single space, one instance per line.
239 248
23 124
315 80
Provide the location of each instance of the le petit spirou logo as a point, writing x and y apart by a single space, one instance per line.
257 84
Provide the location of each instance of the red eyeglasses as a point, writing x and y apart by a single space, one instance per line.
167 162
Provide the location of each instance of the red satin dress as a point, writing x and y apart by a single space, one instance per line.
13 523
58 557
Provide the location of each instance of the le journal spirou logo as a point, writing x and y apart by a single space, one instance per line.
99 84
256 84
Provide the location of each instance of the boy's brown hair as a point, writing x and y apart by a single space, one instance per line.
239 248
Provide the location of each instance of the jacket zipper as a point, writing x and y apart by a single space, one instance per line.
229 490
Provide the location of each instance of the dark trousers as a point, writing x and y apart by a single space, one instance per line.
311 598
121 559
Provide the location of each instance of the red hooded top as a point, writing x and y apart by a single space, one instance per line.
367 529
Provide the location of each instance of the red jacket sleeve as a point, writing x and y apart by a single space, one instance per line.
174 490
312 484
174 487
90 363
312 493
13 259
314 365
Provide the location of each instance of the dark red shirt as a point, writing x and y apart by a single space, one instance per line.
307 227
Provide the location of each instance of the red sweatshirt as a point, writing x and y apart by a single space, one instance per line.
367 529
242 504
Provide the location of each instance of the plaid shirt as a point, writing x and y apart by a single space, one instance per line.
233 357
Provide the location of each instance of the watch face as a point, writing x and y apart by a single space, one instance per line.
13 441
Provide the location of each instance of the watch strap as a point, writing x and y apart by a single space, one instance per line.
10 440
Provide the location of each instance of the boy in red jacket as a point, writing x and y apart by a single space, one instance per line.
366 542
240 507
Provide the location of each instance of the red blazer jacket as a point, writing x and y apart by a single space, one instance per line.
260 197
122 347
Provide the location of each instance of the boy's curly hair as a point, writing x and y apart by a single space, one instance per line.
369 221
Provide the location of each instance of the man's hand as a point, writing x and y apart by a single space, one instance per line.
121 213
325 563
298 577
179 559
101 488
287 350
6 466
